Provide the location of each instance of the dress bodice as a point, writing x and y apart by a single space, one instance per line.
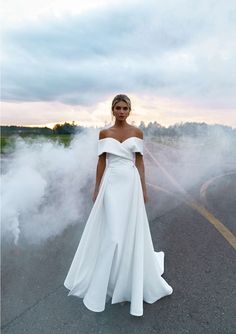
120 151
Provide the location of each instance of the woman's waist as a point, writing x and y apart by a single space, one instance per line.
121 162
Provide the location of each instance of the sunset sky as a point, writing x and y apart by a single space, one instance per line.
65 60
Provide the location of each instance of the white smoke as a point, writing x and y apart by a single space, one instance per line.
47 187
43 184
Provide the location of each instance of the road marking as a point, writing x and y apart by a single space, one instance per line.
188 199
207 183
227 234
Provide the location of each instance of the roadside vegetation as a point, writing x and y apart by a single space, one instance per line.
172 135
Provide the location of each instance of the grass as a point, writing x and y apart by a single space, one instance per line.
8 142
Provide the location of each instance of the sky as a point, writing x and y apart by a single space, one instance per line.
65 60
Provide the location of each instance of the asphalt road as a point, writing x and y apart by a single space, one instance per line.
199 264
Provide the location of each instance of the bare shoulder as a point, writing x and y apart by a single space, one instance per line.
108 132
111 132
103 133
138 132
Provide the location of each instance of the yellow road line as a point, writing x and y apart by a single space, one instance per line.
161 189
227 234
206 184
220 227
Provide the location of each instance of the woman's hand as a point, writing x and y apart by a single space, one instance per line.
145 197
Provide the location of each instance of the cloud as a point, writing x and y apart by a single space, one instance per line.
174 49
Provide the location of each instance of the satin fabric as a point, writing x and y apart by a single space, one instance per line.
115 259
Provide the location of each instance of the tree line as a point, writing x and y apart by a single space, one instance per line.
192 129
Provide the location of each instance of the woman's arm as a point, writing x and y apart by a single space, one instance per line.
139 163
101 165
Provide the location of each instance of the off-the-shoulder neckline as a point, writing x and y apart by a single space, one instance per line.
121 142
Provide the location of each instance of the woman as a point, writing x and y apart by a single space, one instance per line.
115 258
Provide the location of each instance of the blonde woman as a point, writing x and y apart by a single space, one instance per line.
115 259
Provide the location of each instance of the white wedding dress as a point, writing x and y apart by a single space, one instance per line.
115 258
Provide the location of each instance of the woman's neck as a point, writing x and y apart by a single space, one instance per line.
120 124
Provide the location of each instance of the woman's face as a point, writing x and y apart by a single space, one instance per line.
121 110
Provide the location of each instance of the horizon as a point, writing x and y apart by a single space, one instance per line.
107 124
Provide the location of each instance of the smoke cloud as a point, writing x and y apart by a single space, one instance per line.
46 186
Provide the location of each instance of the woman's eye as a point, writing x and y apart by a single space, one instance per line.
124 108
